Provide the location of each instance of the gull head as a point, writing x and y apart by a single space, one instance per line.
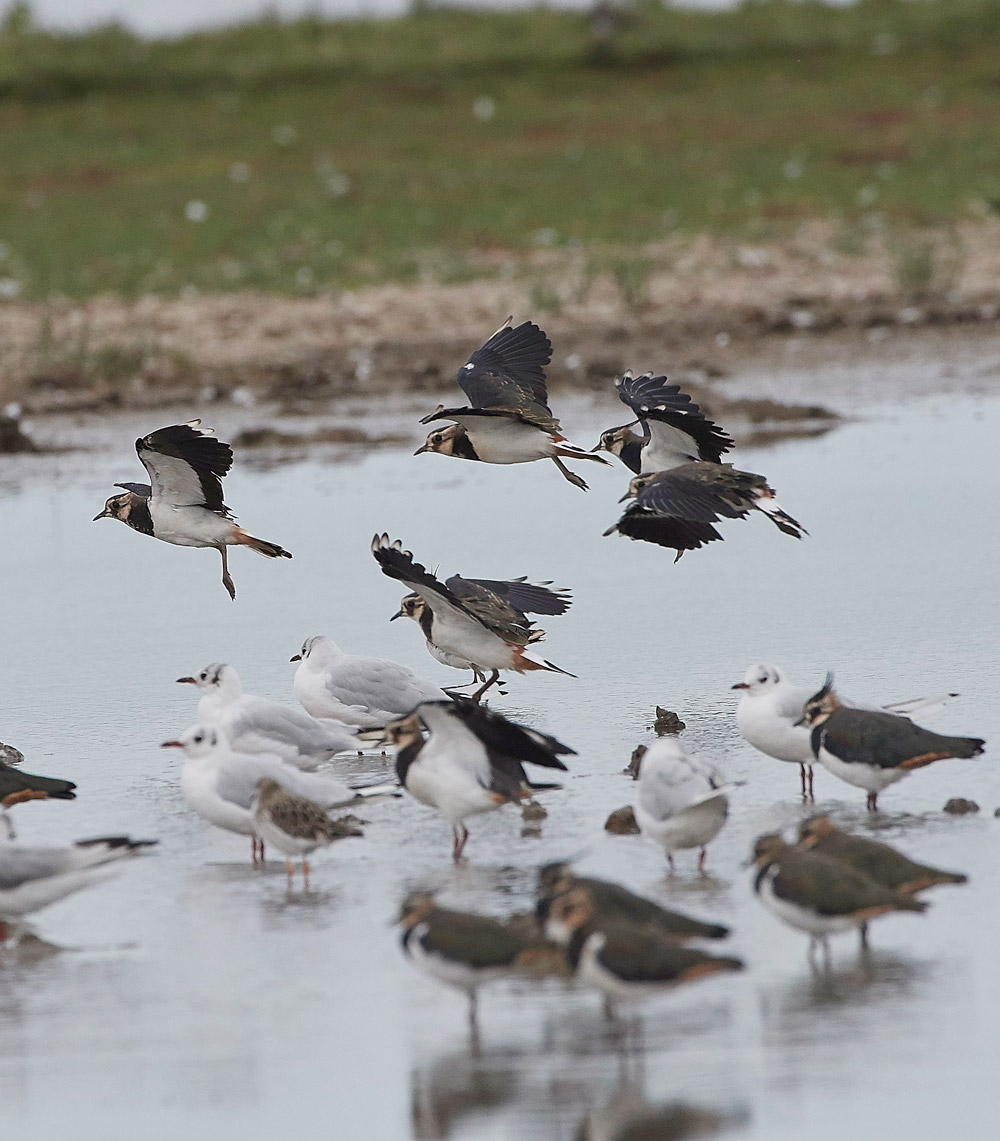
218 678
198 741
760 679
317 649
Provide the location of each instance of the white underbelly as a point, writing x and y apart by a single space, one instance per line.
777 738
189 526
869 777
457 796
801 917
500 441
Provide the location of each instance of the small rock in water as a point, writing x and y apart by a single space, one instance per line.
959 806
532 811
633 766
667 722
622 822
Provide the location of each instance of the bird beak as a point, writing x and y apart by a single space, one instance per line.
627 495
186 681
740 685
801 721
105 514
599 447
295 658
423 448
398 614
171 745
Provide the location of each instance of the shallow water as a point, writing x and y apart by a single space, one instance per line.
190 996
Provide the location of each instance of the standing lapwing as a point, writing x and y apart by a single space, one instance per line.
622 960
818 895
879 862
183 502
295 825
682 801
681 487
466 950
872 749
471 761
366 692
769 717
509 421
473 624
220 784
614 903
259 725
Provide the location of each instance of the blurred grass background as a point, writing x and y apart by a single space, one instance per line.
302 156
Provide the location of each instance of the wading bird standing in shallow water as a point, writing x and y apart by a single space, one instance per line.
471 761
295 825
682 802
681 487
873 750
476 624
509 421
182 504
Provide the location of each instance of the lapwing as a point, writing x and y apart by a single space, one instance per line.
681 487
622 960
614 903
471 761
818 895
872 749
32 876
682 801
770 710
509 421
295 825
674 429
879 862
220 784
473 624
14 781
676 508
366 692
259 725
182 504
466 950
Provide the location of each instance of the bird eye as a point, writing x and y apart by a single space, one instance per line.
203 675
198 738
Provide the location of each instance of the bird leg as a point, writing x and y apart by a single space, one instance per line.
290 872
827 958
812 795
701 860
305 874
459 845
873 802
805 786
863 932
670 862
494 678
575 480
227 582
253 849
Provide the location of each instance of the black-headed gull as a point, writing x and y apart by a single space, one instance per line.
509 421
366 692
472 760
682 802
469 623
259 725
873 750
220 784
183 504
295 825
